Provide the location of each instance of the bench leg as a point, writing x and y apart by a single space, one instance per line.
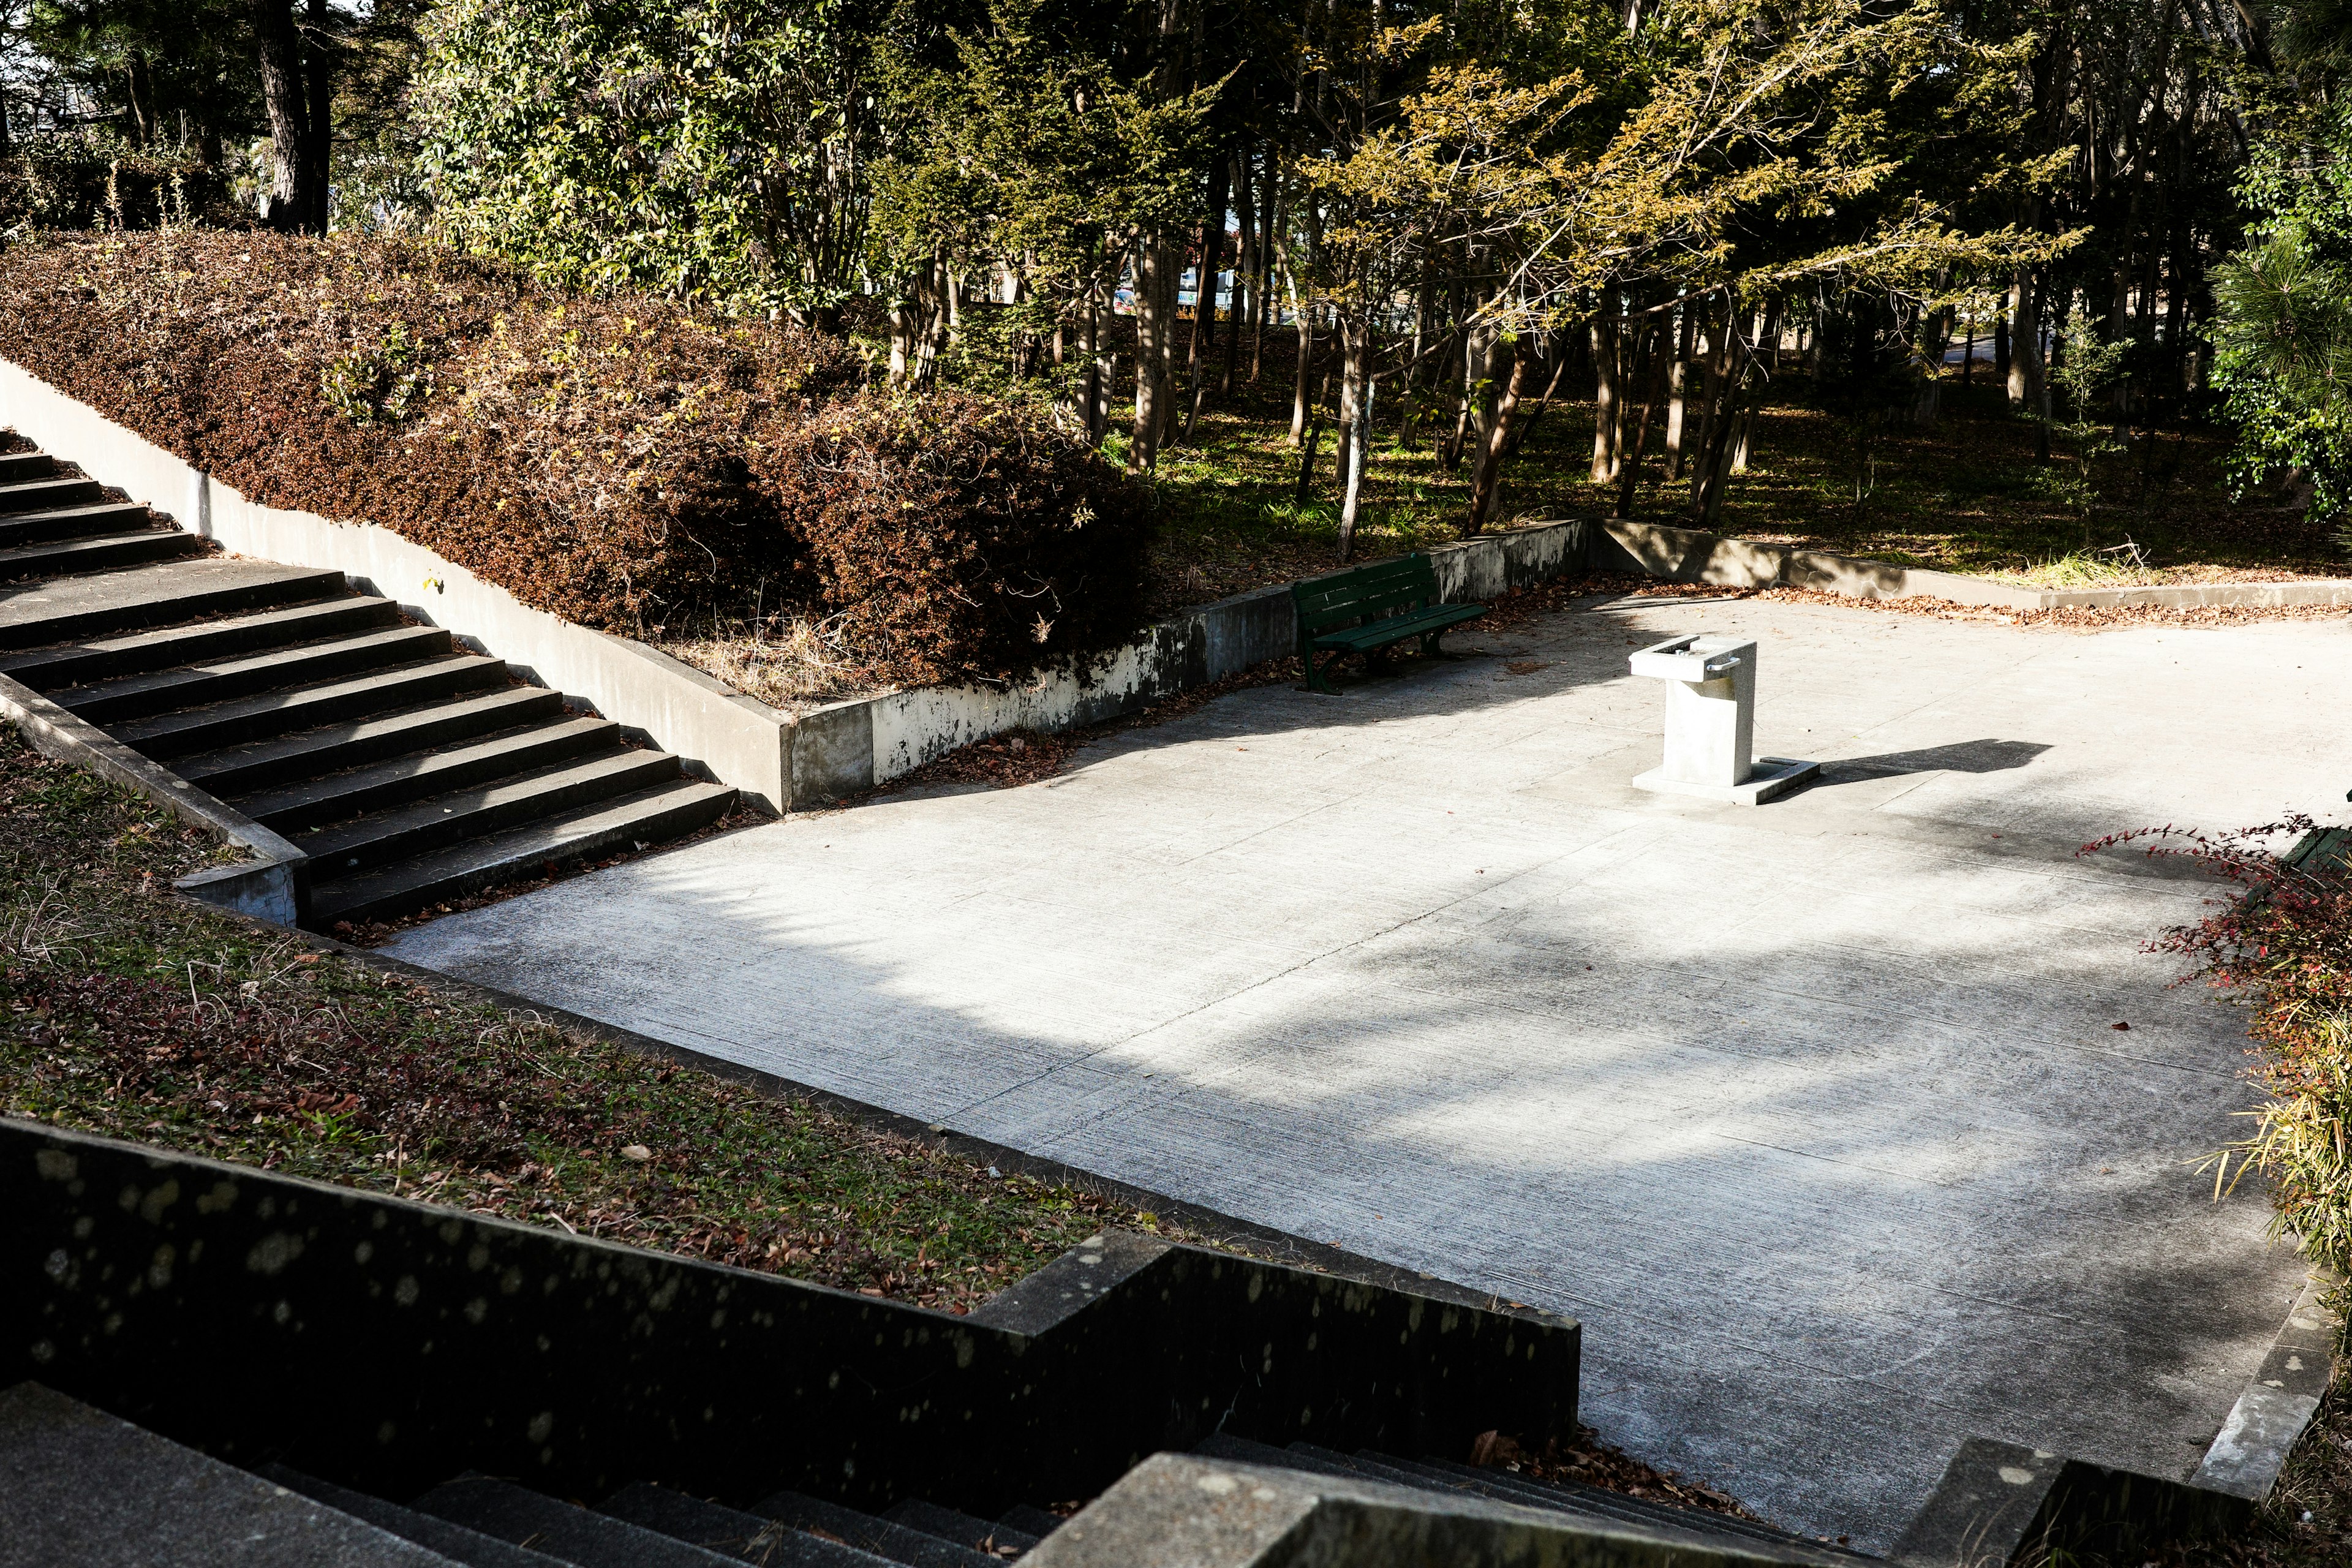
1429 644
1315 682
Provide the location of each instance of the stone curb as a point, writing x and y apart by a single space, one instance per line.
2271 1418
1692 555
272 884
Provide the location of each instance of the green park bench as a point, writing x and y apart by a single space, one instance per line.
1371 608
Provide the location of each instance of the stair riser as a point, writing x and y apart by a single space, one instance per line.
243 778
66 559
671 824
17 532
49 672
326 665
441 833
121 619
52 492
304 713
311 812
16 467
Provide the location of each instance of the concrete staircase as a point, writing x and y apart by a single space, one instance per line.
410 770
81 1486
77 1484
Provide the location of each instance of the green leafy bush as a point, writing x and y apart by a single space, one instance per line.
92 179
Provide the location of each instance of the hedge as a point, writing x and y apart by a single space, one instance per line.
619 462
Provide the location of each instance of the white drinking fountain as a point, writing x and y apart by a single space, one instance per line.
1711 722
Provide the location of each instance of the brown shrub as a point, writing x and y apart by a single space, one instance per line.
618 462
964 538
589 456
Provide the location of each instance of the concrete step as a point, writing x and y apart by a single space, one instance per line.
42 493
70 522
281 759
83 663
1030 1521
78 1486
40 615
420 827
983 1535
729 1532
455 1542
126 697
15 465
103 552
1509 1487
881 1537
538 849
307 803
559 1529
218 724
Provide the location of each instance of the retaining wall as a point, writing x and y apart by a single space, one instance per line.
387 1345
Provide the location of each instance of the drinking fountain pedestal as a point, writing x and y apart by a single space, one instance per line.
1711 722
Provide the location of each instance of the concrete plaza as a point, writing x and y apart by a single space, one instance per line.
1815 1113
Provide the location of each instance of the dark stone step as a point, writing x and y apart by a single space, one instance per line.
879 1536
83 663
307 803
78 1486
965 1530
1516 1488
539 848
47 492
15 465
1036 1521
216 680
455 1542
421 827
40 615
218 724
729 1532
71 557
330 748
559 1529
70 522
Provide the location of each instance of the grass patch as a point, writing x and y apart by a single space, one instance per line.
132 1013
1965 494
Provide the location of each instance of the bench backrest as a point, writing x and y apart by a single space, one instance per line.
1382 588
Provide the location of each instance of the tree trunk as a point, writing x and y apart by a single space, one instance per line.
1724 377
1629 472
1604 402
1244 279
1677 410
319 67
289 201
1155 264
2024 345
1355 430
1483 484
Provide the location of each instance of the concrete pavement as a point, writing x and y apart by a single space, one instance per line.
1814 1112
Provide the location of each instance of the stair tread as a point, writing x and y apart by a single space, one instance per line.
167 646
455 1542
400 645
1027 1517
66 488
1571 1495
62 557
293 698
34 461
478 862
730 1532
35 614
951 1524
556 1529
499 708
413 773
881 1537
324 844
65 522
77 1484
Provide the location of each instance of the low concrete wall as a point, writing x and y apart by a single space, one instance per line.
1689 555
848 747
719 732
271 884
